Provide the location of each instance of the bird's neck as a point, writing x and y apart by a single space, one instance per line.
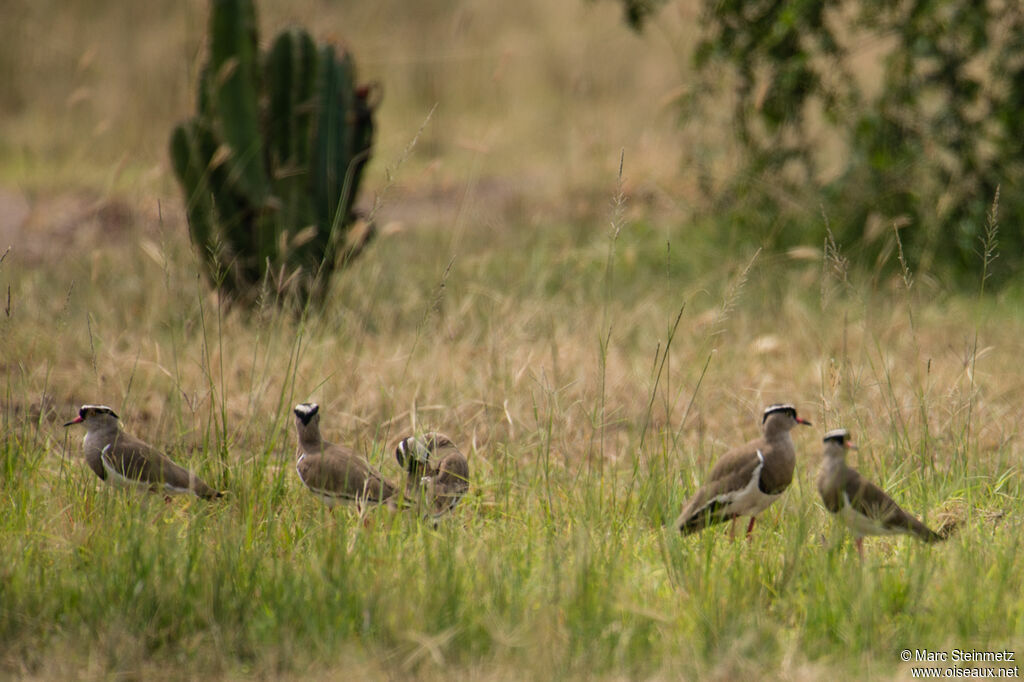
779 438
310 444
833 462
101 434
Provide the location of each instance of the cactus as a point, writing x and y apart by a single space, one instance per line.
272 160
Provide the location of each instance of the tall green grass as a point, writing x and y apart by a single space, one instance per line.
591 361
591 383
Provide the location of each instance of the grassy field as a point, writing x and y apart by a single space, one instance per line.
593 345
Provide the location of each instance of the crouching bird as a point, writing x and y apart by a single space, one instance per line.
122 459
862 505
747 479
334 473
438 473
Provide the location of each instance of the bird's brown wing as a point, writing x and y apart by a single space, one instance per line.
870 501
137 460
342 473
730 475
377 487
776 475
133 460
450 482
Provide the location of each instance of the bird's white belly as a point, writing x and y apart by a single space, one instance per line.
750 500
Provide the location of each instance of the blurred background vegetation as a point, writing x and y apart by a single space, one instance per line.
92 90
895 116
742 125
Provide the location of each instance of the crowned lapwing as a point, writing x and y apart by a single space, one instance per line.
747 479
335 473
863 506
438 473
122 459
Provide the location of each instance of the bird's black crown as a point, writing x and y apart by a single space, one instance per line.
838 435
779 407
306 411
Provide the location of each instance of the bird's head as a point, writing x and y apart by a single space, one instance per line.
307 420
781 417
94 417
837 442
413 454
306 413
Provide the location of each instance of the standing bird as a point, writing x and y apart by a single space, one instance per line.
863 506
437 472
749 478
122 459
332 472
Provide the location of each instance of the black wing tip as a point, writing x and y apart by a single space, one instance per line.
695 524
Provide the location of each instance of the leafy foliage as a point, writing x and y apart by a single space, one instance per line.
923 96
271 163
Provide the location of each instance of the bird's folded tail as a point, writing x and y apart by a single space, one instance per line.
201 489
696 521
925 533
947 528
207 493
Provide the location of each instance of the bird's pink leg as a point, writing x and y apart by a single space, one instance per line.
732 530
860 547
750 526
